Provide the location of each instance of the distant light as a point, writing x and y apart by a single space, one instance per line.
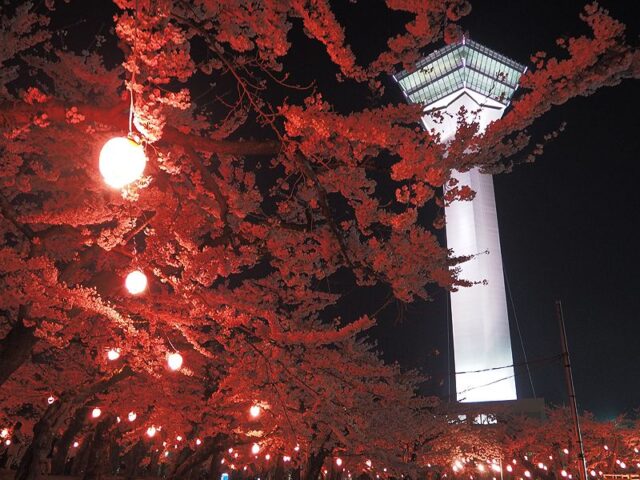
118 419
339 461
174 361
496 468
179 438
166 454
267 457
224 476
132 416
527 473
368 463
136 282
550 457
566 451
75 444
151 431
7 442
514 461
481 467
540 465
235 455
563 473
113 354
593 473
286 458
255 448
623 465
509 468
96 412
51 399
222 461
230 450
122 162
4 433
296 448
254 411
606 447
198 441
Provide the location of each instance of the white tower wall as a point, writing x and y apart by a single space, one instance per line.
481 338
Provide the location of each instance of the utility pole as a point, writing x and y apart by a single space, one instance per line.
570 390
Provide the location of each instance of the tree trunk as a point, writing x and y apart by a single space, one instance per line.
34 463
198 457
99 454
132 460
314 465
278 473
61 450
16 346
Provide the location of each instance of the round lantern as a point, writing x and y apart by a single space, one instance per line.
174 361
136 282
122 162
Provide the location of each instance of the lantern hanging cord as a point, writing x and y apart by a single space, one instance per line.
133 74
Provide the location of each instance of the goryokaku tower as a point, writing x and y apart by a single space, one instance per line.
467 74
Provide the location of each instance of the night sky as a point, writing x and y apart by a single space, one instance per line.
569 231
568 221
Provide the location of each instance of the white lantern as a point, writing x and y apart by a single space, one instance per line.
254 411
51 399
136 282
4 433
122 162
339 462
132 416
113 354
96 412
255 449
174 360
151 431
75 444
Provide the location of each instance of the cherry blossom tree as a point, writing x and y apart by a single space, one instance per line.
261 206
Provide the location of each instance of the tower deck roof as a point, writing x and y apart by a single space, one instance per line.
463 65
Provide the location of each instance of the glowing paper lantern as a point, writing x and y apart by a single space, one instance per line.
527 473
75 444
51 399
563 473
496 468
4 433
509 469
132 416
96 412
198 441
151 431
174 360
566 451
339 462
368 463
136 282
255 448
122 162
113 354
267 457
7 442
286 458
179 438
481 467
254 411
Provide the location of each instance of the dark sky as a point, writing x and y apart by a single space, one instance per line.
568 221
568 230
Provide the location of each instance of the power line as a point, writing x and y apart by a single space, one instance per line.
520 364
515 317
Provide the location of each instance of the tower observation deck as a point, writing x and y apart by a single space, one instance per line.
469 75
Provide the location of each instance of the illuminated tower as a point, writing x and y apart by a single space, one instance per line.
469 75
